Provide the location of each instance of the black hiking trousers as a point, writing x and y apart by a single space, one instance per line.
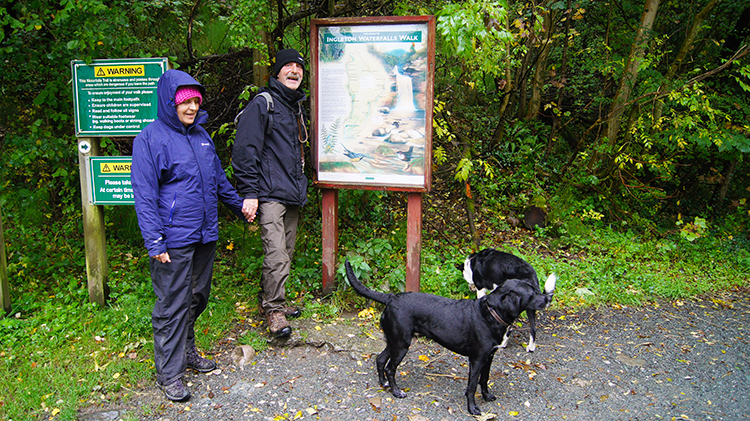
182 288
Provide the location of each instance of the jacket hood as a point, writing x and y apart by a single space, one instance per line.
166 90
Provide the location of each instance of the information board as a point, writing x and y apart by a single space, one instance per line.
109 180
115 97
372 95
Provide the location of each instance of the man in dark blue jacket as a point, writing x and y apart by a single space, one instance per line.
268 162
177 183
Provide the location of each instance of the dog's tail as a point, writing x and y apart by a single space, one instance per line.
363 290
549 284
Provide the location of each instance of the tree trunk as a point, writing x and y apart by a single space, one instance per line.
727 180
535 102
557 117
191 20
630 75
4 284
260 71
470 212
505 86
520 79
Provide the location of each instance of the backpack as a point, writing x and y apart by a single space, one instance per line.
269 109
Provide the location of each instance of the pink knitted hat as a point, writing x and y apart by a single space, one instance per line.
186 92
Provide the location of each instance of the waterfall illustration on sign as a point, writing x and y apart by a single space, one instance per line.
405 97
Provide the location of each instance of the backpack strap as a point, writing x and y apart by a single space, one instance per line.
269 109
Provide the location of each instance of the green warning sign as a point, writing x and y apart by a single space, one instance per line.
115 97
109 180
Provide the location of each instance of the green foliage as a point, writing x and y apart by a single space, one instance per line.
692 231
475 33
365 208
54 334
247 22
661 212
39 177
742 77
255 340
318 309
61 352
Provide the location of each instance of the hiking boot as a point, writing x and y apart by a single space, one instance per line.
175 391
198 363
278 325
289 311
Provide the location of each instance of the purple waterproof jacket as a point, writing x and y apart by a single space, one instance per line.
177 176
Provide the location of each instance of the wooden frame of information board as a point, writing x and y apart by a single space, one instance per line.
372 95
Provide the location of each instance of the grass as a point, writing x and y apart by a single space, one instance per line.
60 353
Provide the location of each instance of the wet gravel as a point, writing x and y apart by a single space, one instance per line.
671 360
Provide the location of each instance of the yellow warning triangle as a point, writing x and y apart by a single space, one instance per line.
106 168
100 72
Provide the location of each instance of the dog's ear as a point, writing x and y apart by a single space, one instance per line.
511 301
539 302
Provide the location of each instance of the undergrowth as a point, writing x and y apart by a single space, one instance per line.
60 353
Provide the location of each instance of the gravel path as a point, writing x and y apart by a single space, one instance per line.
678 360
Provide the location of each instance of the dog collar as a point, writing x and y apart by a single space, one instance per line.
495 316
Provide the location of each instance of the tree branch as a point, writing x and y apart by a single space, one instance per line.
190 29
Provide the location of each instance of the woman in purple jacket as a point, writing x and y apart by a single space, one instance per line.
177 183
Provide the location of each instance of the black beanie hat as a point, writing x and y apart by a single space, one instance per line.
286 56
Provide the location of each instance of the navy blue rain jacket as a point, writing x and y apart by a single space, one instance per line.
177 176
270 167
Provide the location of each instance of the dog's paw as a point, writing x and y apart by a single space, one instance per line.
488 397
487 416
398 393
474 410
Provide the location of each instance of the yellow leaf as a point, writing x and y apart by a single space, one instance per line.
230 246
55 411
513 413
367 313
37 27
318 328
424 358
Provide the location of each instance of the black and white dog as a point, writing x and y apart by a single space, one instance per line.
489 269
473 328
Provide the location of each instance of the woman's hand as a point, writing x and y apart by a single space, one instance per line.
164 257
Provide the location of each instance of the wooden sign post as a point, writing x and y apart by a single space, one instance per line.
97 268
4 285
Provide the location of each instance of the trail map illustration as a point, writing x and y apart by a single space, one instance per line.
372 94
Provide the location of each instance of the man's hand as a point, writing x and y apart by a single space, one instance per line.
164 257
250 209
